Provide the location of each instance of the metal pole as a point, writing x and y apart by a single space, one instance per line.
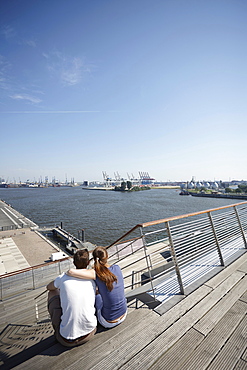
1 289
216 240
146 257
240 225
118 256
33 280
174 257
132 279
83 235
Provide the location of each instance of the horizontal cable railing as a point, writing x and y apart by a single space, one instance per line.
9 227
181 245
18 282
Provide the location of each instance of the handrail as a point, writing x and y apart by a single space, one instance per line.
31 268
219 235
145 224
173 218
123 236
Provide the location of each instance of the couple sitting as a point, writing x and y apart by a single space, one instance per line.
72 298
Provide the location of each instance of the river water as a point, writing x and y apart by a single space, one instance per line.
104 215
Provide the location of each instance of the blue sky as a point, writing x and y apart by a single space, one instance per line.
123 86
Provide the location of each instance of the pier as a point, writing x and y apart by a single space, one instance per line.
72 243
215 195
197 320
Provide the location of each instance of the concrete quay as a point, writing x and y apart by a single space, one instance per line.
21 245
11 219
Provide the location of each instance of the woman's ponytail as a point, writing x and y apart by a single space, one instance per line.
100 256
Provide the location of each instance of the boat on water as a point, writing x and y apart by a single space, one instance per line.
184 192
105 188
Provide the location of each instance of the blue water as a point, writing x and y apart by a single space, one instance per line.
104 215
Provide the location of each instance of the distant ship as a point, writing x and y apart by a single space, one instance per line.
184 192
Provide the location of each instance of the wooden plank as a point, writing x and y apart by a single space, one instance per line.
241 365
91 352
164 307
218 279
233 349
203 279
112 348
176 312
216 339
244 356
17 311
243 267
244 297
149 332
19 341
163 342
207 323
177 354
114 343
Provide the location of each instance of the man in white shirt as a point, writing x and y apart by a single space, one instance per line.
71 305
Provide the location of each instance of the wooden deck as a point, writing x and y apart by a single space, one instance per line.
205 330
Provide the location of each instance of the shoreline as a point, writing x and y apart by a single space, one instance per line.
112 188
228 196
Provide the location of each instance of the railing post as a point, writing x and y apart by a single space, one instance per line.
132 279
146 257
33 280
240 225
117 251
174 257
132 248
1 289
216 239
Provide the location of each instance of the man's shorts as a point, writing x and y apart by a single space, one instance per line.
55 311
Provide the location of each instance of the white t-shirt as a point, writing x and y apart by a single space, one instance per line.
77 301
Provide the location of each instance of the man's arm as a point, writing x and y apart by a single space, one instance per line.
82 273
51 286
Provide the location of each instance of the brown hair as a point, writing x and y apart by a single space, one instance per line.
81 259
100 256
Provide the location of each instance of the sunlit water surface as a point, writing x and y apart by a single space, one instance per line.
104 215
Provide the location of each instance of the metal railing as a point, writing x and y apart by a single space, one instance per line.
195 242
152 251
18 282
10 227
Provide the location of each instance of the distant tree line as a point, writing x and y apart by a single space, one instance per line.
127 186
240 189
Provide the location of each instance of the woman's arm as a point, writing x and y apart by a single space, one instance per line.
82 273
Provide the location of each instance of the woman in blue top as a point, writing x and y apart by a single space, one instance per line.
110 302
